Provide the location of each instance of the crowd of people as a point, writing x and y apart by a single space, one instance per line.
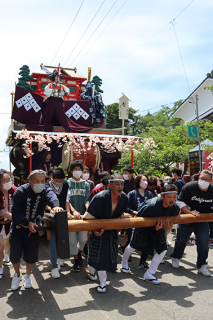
48 190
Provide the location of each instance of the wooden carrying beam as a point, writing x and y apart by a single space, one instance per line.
137 222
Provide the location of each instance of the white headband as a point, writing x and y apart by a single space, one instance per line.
112 180
168 192
36 172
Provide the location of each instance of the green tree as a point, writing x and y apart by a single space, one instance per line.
25 77
113 121
162 117
172 146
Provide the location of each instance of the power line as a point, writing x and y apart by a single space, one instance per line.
85 31
142 44
94 31
182 11
101 33
68 31
180 55
154 34
163 105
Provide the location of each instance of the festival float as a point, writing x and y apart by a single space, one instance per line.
54 110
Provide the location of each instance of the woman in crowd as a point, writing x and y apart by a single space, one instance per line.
135 199
47 162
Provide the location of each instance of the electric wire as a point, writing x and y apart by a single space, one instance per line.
94 31
67 31
180 55
182 11
101 32
84 32
153 35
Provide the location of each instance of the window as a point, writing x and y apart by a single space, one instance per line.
43 85
72 89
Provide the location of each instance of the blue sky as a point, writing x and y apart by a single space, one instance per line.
135 52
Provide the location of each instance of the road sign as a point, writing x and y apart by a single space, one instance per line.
192 132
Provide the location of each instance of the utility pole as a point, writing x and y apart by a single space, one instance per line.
198 132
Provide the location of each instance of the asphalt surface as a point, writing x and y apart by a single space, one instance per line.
183 294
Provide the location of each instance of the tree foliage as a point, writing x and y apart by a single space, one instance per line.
137 124
172 147
172 144
113 121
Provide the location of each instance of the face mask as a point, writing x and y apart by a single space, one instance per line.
58 184
203 184
143 184
7 186
125 176
86 176
77 174
38 188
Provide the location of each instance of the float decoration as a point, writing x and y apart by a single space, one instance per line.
82 144
25 77
96 105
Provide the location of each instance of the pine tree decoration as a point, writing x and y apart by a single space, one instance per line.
97 82
25 77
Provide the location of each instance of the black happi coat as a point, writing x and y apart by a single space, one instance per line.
147 239
29 206
103 251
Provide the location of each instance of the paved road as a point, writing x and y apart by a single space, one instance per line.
183 294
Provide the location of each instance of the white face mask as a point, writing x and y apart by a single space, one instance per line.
125 176
143 184
58 184
203 184
38 188
7 185
86 176
77 174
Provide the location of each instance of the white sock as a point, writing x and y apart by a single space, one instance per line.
127 252
6 257
148 275
156 261
102 278
92 270
1 270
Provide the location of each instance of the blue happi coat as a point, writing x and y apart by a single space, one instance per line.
29 206
96 106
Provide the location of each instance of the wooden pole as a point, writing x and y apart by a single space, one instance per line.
137 222
31 160
12 94
123 127
132 156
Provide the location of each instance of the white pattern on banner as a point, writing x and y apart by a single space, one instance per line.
28 102
76 111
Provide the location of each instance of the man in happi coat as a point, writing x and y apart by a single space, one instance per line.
6 196
149 239
29 202
103 245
